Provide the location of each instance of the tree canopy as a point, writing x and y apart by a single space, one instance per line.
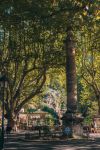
32 34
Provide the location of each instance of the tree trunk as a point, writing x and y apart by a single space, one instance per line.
98 104
10 121
71 73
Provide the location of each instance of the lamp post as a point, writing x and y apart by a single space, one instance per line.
3 85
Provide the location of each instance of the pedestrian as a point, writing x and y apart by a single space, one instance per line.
88 132
95 127
15 127
8 129
67 131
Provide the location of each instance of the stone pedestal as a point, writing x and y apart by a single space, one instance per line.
74 122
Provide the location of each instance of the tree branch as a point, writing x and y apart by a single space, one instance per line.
32 94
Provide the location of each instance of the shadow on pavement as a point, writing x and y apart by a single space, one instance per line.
81 144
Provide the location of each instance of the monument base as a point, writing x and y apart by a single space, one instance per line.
74 122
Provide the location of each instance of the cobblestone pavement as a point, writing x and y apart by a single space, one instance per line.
16 143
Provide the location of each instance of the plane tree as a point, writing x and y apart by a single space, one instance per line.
32 42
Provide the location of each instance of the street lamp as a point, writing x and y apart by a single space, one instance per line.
3 85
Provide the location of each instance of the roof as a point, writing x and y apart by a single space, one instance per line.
40 112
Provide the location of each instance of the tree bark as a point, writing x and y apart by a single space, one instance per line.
98 98
10 120
71 73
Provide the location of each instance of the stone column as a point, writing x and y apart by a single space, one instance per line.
71 72
71 118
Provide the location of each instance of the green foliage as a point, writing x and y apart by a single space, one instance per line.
88 120
50 111
31 43
50 120
88 63
31 110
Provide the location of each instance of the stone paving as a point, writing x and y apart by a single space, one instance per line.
17 142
